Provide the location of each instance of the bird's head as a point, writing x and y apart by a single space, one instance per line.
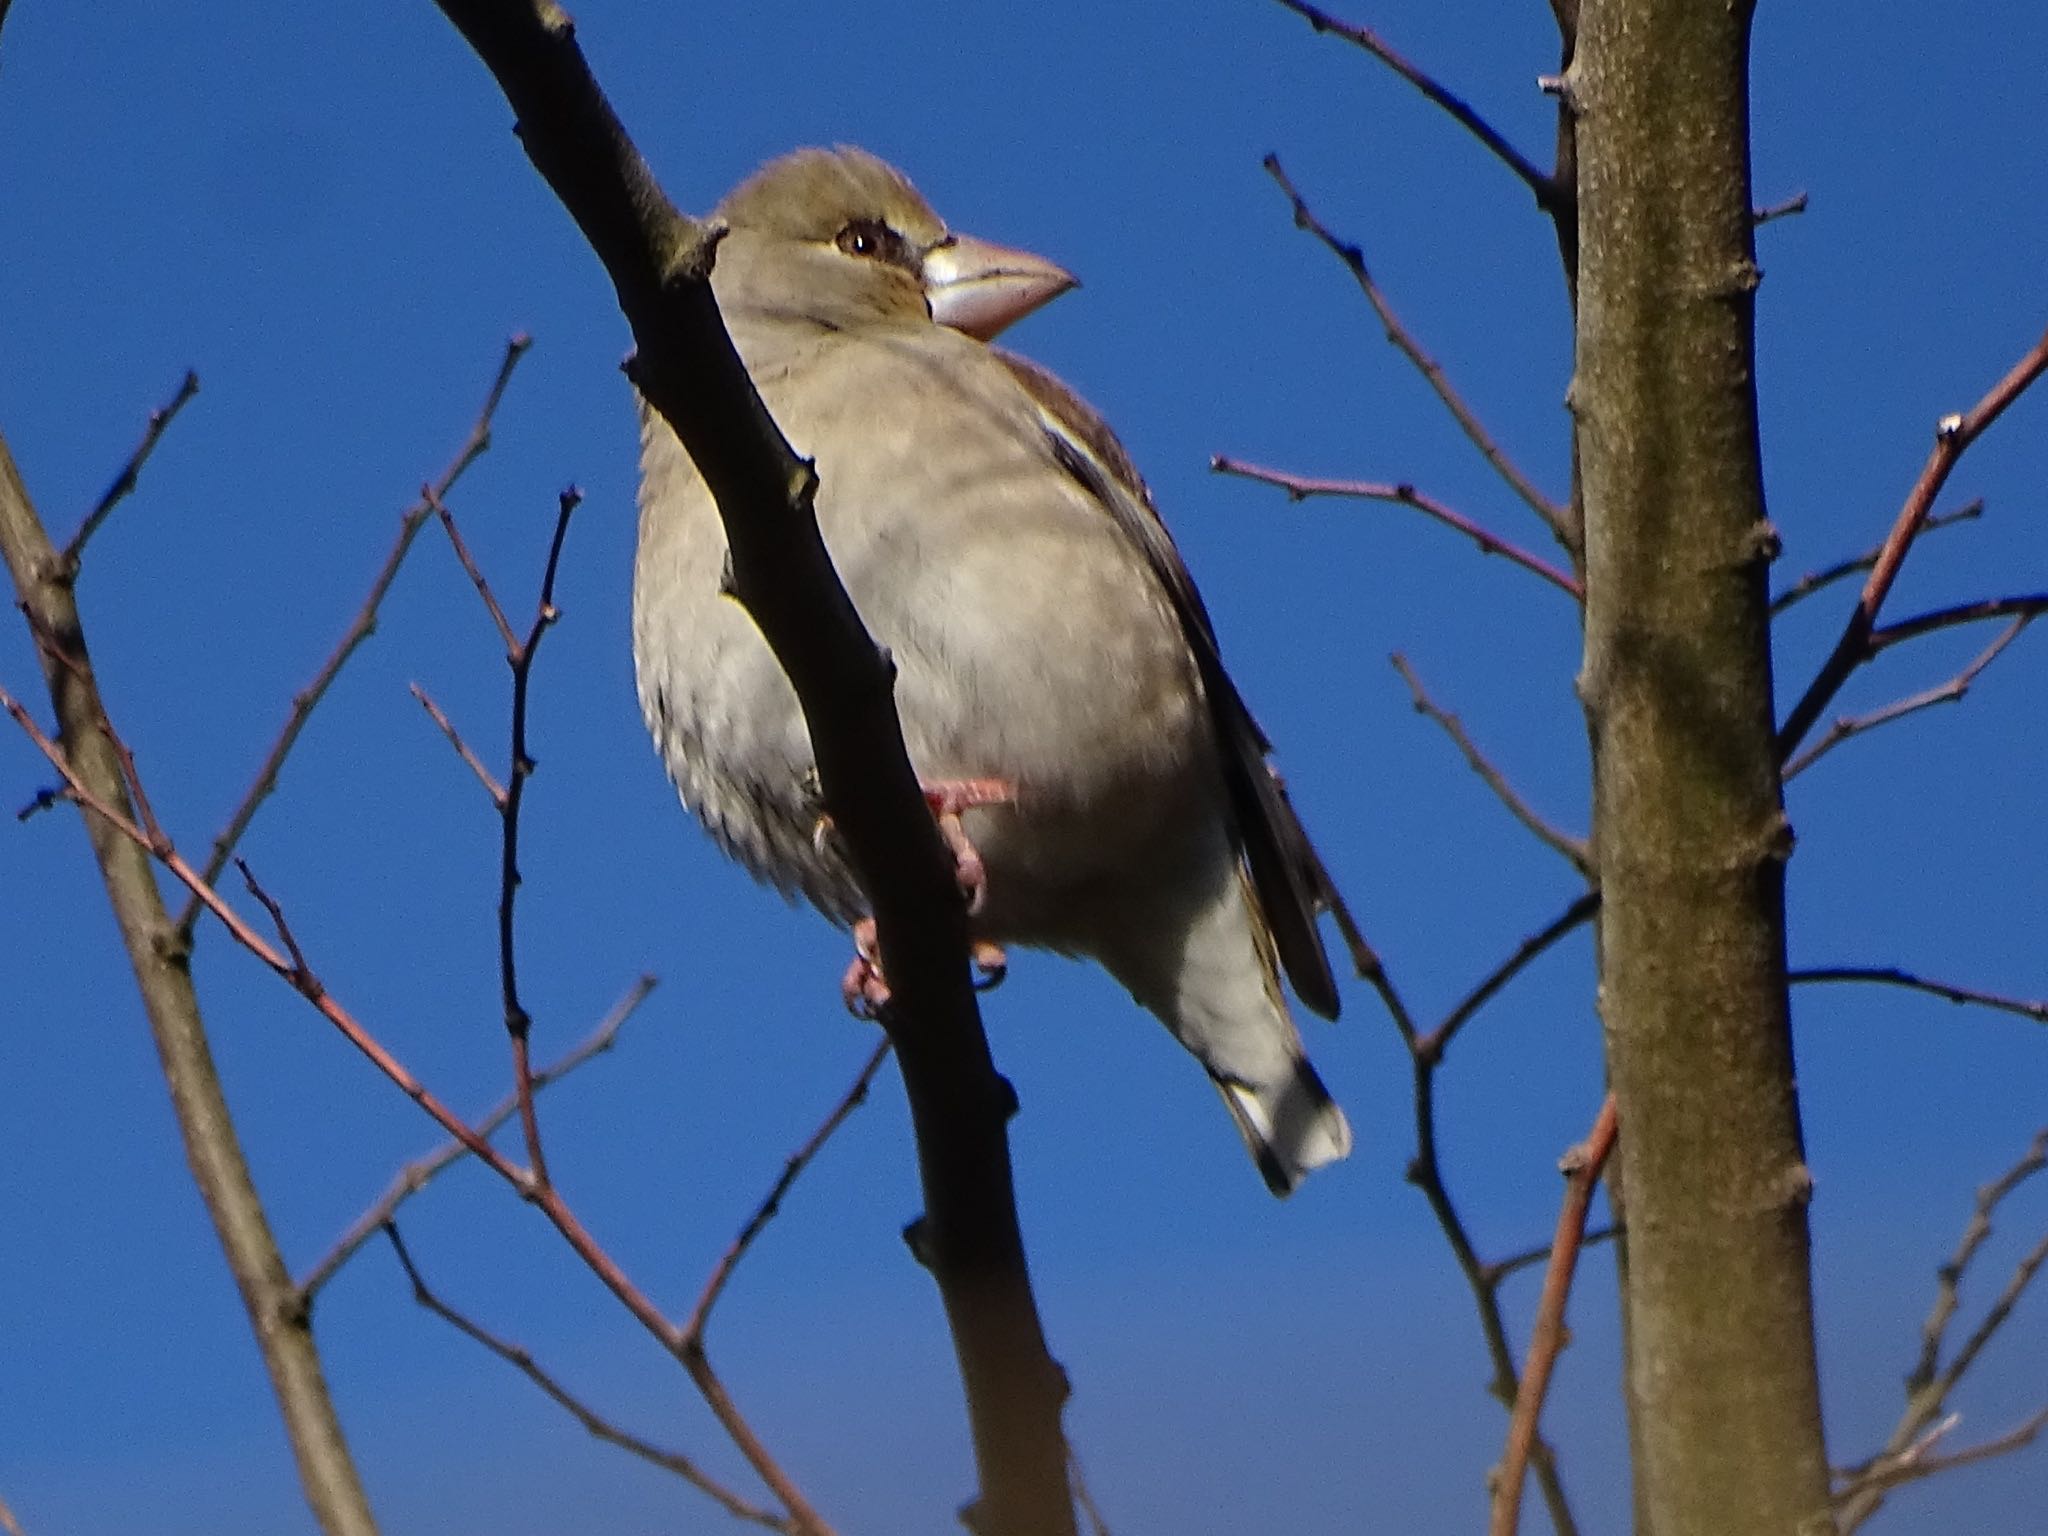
843 237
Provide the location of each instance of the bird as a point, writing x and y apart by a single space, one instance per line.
1058 679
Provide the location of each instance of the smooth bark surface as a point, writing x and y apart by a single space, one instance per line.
1690 833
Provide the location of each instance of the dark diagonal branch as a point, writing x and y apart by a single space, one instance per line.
1301 487
686 367
1842 570
1952 437
1581 1168
1353 257
1953 691
1891 976
2025 605
598 1426
360 629
1552 196
123 487
1572 849
416 1176
1930 1383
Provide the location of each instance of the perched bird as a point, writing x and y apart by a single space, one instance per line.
1048 640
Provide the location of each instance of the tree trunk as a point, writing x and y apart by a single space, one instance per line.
1689 826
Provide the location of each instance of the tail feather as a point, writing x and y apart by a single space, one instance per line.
1291 1128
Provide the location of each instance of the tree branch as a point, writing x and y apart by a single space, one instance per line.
123 487
2026 1008
1841 570
1301 487
1404 341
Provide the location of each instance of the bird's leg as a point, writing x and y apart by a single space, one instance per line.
863 987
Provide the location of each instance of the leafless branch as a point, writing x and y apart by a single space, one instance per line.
415 1176
594 1422
1529 1258
360 627
123 487
1951 692
1353 257
1552 196
2024 606
462 748
1930 1383
1301 487
1572 918
1771 212
1841 570
1892 976
1581 1166
1953 435
473 570
1572 849
792 1170
1913 1464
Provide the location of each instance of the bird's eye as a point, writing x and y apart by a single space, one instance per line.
871 238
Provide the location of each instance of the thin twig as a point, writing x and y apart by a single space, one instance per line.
1952 436
1551 196
546 1198
1953 691
123 487
1908 1467
1301 487
475 571
1353 258
1841 570
1529 1258
792 1170
1573 850
1097 1526
595 1423
360 628
1581 1166
2024 605
8 1523
462 748
1573 917
1929 1383
415 1176
1796 203
1891 976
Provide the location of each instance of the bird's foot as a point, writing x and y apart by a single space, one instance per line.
947 799
866 991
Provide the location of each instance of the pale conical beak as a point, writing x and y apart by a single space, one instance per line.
983 289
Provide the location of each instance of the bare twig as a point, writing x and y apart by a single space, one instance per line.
544 1197
8 1523
1529 1258
1582 1166
1353 258
1951 692
1301 487
1841 570
1913 1464
474 571
123 487
2022 606
1891 976
360 627
595 1423
1930 1383
792 1170
462 748
1572 849
415 1176
1573 917
1770 212
1552 196
1953 435
1097 1526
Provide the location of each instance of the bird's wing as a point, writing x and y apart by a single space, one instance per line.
1292 884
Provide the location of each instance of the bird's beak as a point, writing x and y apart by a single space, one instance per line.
983 289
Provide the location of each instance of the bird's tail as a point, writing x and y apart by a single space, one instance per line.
1218 990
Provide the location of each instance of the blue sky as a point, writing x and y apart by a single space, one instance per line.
324 213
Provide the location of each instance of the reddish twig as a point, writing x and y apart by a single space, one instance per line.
359 630
462 748
1301 487
474 571
546 1198
415 1176
1573 849
1914 1463
1892 976
1950 692
1953 435
1353 258
1552 196
7 1521
124 484
1582 1166
792 1170
595 1423
1841 570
